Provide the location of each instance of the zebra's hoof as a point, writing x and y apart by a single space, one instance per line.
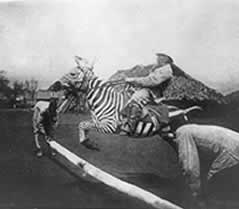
90 145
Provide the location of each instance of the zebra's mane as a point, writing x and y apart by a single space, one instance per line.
96 82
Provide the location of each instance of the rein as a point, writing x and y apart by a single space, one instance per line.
115 82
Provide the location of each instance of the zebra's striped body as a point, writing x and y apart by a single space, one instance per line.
105 103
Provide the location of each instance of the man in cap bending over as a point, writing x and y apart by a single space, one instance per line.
44 122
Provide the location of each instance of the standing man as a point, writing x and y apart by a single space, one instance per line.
44 122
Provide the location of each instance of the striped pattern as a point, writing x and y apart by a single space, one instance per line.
67 104
105 104
144 129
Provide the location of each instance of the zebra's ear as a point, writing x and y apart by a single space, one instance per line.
93 64
83 64
78 60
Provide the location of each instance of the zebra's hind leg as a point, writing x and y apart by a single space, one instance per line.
84 140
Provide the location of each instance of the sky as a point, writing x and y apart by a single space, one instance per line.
39 39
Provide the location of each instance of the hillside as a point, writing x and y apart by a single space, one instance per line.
182 87
233 98
183 90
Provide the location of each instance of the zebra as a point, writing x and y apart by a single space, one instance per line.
105 104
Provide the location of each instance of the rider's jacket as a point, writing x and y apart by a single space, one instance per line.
156 76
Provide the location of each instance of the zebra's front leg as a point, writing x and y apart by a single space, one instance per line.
84 128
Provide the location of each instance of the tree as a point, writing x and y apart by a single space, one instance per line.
31 87
5 89
18 88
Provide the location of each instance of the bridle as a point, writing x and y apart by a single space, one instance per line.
74 89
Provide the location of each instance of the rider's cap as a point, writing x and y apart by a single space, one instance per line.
170 59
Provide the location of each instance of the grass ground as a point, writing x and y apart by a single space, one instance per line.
29 182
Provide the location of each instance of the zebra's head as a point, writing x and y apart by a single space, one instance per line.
78 77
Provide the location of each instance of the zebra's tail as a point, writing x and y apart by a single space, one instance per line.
183 112
186 111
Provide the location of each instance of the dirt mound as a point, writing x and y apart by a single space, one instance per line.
181 87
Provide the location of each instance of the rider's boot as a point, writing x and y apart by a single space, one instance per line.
169 136
167 132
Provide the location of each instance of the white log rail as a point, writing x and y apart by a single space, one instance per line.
82 166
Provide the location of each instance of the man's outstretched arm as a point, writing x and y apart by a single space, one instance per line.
155 78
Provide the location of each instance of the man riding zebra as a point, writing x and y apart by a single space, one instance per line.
159 74
109 106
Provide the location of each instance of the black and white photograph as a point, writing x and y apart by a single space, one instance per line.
119 104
